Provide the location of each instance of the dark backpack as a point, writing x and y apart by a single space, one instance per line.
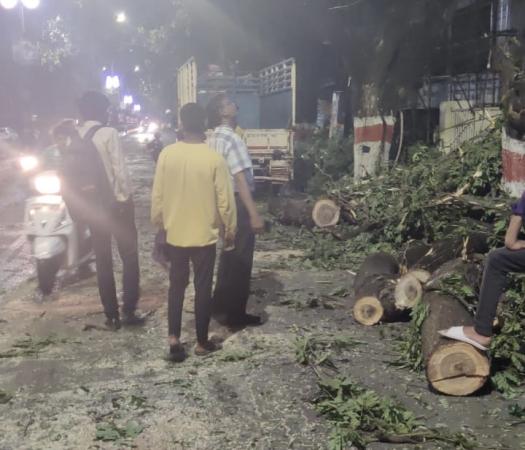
86 187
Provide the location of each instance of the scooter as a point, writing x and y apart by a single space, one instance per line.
57 243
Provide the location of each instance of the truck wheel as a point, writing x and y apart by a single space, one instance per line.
47 270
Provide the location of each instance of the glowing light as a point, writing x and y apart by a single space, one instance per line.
47 184
8 4
153 127
112 82
128 100
31 4
137 68
28 163
121 17
137 108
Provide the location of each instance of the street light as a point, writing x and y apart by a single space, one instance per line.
128 100
121 17
137 108
136 69
112 82
29 4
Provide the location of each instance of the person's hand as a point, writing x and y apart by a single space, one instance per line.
228 242
257 224
518 245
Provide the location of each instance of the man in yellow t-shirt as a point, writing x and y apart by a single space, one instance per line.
192 200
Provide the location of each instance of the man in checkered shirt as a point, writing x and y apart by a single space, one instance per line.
232 289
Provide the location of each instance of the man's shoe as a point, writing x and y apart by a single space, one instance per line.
207 348
113 324
176 354
132 320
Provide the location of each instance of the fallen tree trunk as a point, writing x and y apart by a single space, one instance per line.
452 248
292 210
453 368
467 273
379 263
326 213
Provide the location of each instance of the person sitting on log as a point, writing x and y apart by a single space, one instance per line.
499 263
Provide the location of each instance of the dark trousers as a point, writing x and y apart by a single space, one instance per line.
119 223
232 289
499 263
203 260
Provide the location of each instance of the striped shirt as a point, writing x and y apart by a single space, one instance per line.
225 141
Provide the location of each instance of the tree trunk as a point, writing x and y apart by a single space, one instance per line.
379 263
326 213
413 252
423 276
376 302
453 368
452 248
468 273
296 210
373 134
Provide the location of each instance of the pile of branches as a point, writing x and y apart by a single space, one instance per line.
434 196
430 197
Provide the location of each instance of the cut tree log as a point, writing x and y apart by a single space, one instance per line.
375 301
408 292
423 276
326 213
468 272
451 248
452 368
413 252
292 210
379 263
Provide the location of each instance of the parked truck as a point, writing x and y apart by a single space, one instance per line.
266 101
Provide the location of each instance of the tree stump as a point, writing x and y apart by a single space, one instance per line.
379 263
453 368
326 213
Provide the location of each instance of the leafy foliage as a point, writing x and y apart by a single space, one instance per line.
358 411
5 397
324 160
415 201
360 416
317 350
29 347
516 410
409 348
109 431
507 346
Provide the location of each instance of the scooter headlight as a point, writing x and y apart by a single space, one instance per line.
47 184
153 127
28 163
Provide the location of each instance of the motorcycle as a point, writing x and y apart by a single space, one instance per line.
57 243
